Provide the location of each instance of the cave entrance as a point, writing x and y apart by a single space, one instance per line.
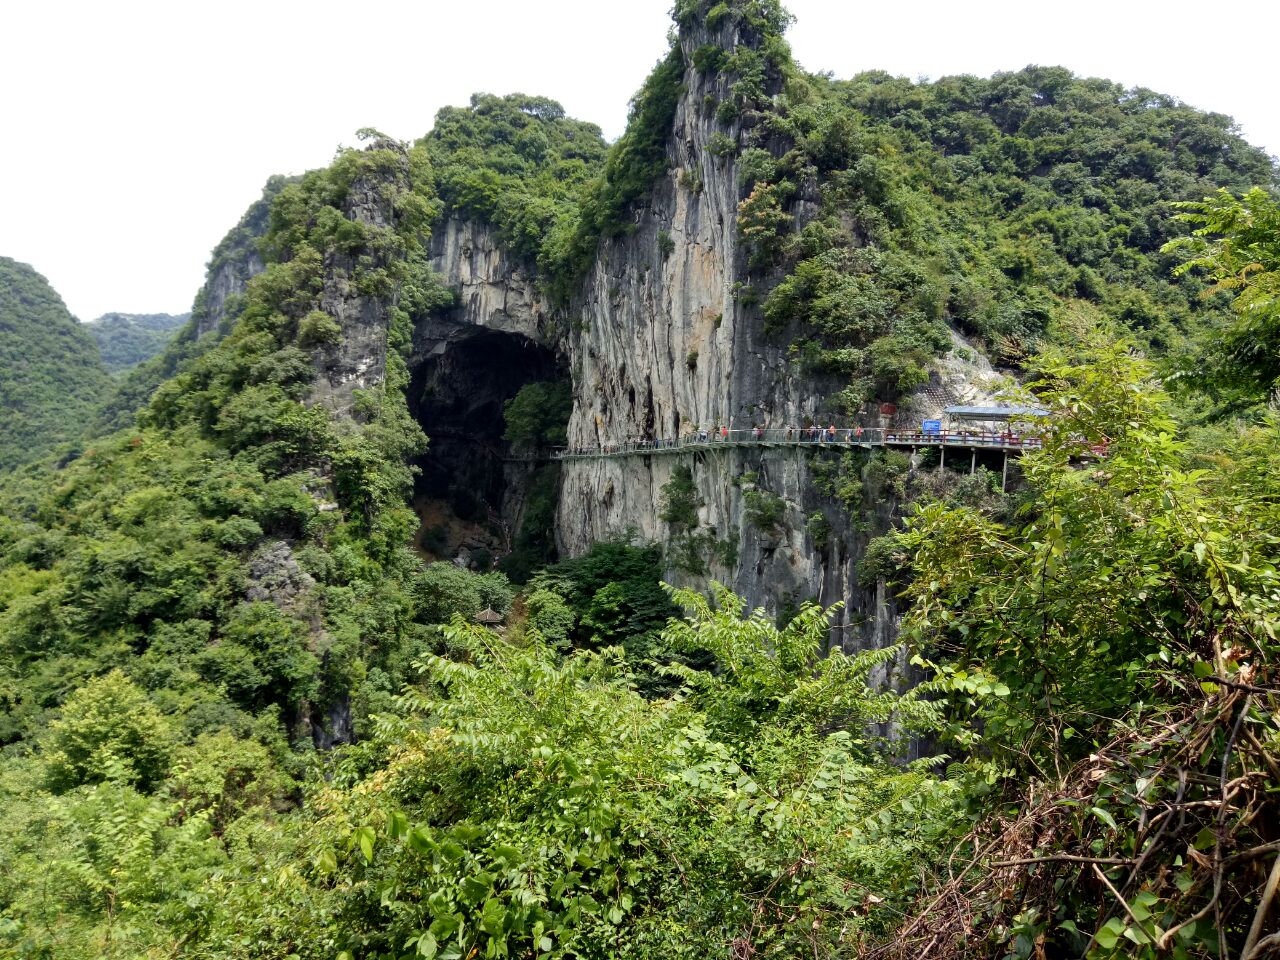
477 496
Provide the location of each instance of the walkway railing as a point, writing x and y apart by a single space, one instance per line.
805 437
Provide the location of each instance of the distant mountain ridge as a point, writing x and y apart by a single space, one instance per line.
127 339
52 378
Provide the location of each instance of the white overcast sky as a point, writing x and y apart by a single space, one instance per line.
136 133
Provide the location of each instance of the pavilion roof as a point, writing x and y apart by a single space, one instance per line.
994 413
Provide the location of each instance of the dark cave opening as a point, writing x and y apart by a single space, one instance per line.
481 501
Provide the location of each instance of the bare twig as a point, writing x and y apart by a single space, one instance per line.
1116 893
1065 858
1268 894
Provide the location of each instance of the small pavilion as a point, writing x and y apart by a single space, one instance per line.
991 419
988 420
489 617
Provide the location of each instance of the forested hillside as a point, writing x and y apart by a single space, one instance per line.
51 373
1000 207
240 716
127 339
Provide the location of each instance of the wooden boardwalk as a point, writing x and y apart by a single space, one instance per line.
804 439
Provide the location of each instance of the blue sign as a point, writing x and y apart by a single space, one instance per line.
932 426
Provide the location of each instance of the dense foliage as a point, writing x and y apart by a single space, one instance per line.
240 719
163 546
516 162
127 339
51 374
1237 243
997 207
1093 648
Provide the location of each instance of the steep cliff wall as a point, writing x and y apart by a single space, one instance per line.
495 290
658 342
662 346
231 265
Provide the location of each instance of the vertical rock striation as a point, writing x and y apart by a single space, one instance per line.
663 346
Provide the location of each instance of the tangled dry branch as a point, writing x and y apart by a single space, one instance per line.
1163 842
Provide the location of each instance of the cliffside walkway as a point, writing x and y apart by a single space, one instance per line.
773 438
845 438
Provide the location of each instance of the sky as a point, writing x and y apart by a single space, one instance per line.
134 133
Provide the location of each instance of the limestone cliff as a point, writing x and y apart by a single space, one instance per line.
658 341
662 345
233 262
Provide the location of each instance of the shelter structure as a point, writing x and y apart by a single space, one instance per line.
489 617
985 418
1004 420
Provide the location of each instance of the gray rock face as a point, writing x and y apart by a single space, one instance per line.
358 360
664 347
234 262
495 291
274 575
226 281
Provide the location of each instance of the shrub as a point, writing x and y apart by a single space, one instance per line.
764 509
680 500
761 221
318 329
721 145
108 730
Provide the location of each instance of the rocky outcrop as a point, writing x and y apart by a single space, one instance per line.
495 291
358 360
274 575
234 261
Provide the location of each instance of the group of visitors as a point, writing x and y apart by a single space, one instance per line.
816 433
819 434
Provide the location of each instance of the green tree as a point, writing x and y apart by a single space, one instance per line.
1237 243
442 590
551 617
108 730
538 415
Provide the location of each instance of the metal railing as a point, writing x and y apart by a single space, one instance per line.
805 437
